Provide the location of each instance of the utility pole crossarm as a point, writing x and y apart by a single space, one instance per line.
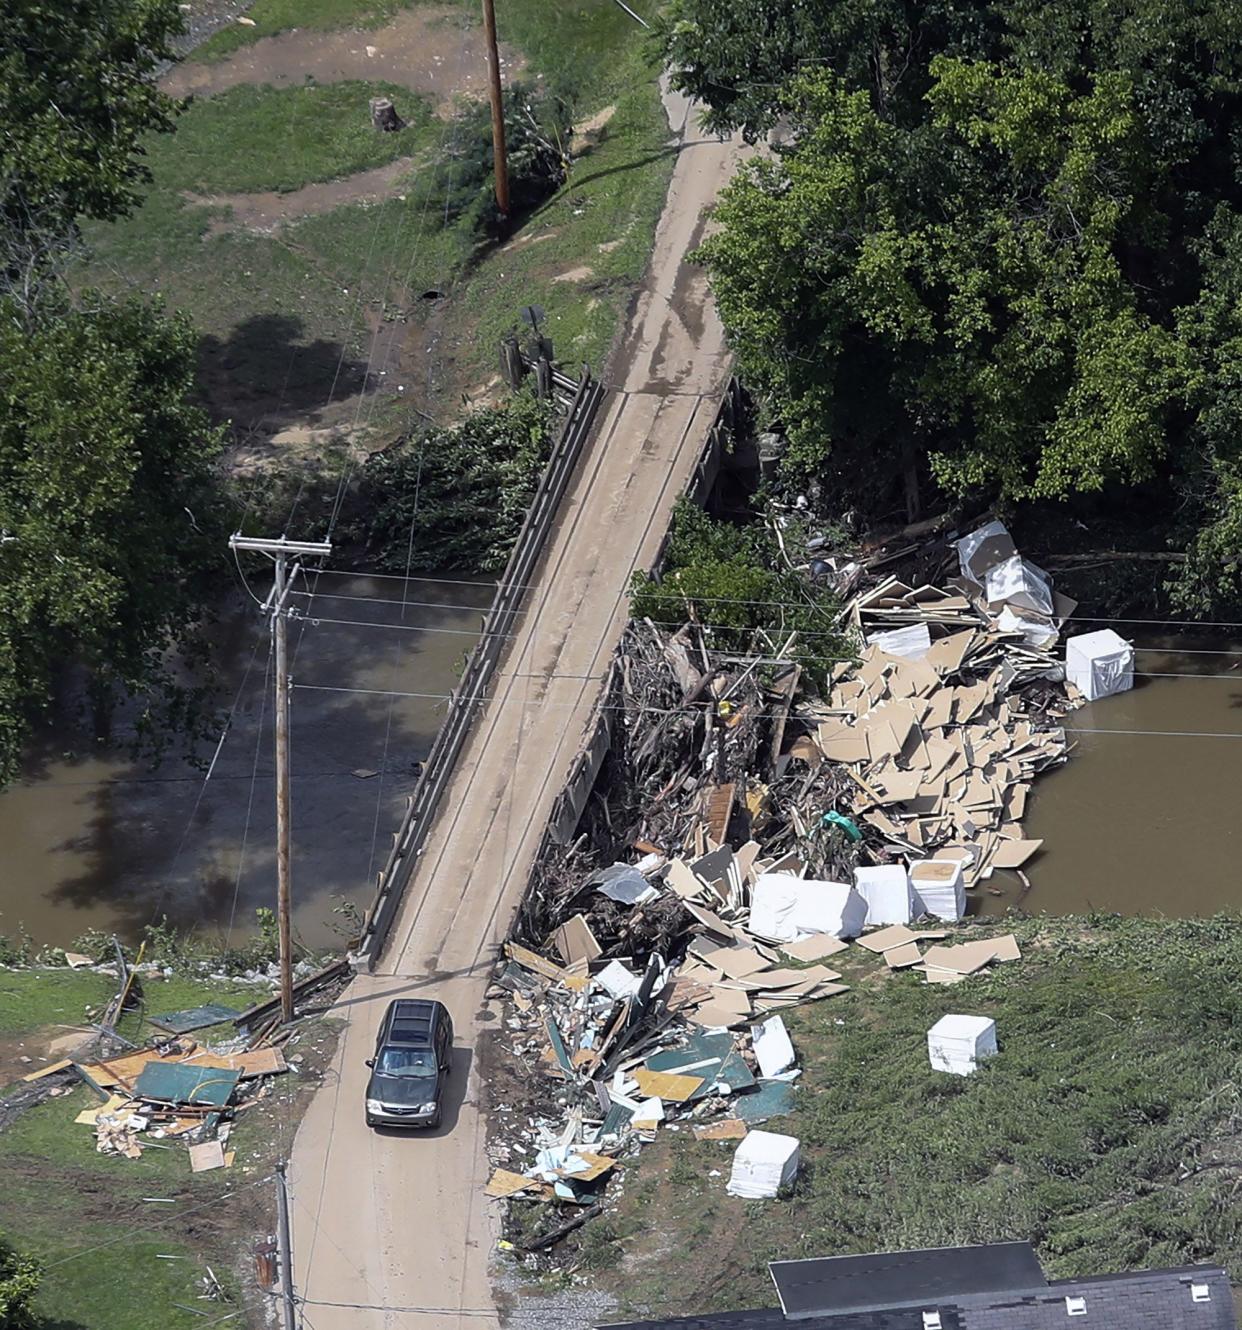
281 546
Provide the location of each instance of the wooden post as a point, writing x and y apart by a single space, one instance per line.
498 110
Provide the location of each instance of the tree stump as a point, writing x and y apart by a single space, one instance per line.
384 115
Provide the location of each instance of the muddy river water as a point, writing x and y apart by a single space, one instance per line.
1144 818
97 841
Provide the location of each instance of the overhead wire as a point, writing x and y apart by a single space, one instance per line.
622 708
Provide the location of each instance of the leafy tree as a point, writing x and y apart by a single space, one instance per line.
456 497
956 284
737 58
78 92
108 504
19 1282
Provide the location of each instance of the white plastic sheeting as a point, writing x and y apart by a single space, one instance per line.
886 890
763 1163
911 643
983 549
1020 585
1099 664
957 1044
784 908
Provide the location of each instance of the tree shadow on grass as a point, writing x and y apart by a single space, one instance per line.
267 370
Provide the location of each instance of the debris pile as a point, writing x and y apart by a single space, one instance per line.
754 814
175 1089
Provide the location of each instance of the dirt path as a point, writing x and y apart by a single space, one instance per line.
382 1221
267 211
424 49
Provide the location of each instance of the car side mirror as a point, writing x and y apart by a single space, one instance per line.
370 1062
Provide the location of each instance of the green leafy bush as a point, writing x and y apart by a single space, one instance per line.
456 497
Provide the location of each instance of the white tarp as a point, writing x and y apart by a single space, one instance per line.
983 549
957 1044
1099 664
1017 582
763 1163
772 1045
886 890
1036 632
783 908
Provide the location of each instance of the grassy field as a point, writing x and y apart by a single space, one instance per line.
1105 1131
112 1256
291 303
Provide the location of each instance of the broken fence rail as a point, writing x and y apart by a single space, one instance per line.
470 693
254 1016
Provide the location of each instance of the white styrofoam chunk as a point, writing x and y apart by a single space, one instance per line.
982 549
938 888
1099 664
1018 582
887 892
911 643
784 907
772 1046
763 1163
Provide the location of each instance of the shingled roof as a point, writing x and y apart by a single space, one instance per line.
883 1293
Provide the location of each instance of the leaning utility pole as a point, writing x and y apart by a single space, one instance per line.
278 551
498 110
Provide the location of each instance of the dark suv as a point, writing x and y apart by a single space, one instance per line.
413 1056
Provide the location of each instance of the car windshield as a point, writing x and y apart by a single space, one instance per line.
407 1062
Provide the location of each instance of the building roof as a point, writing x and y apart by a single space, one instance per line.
835 1284
1144 1300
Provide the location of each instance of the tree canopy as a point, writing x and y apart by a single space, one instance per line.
995 246
108 501
77 94
109 509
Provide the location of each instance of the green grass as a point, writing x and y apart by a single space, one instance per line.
252 138
1104 1132
613 198
273 16
287 305
33 999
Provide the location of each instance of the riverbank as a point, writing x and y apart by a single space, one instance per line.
1102 1132
318 257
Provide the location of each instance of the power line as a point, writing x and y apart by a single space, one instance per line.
680 710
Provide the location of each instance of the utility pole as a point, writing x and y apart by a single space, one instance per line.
284 1251
498 110
278 551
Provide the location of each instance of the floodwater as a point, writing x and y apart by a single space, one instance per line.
98 841
1143 817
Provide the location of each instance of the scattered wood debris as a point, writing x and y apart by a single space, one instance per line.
751 818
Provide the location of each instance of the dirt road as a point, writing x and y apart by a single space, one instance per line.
386 1222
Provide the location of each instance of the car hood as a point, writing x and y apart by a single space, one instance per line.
403 1090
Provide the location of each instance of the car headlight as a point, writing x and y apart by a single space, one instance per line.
429 1108
374 1106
